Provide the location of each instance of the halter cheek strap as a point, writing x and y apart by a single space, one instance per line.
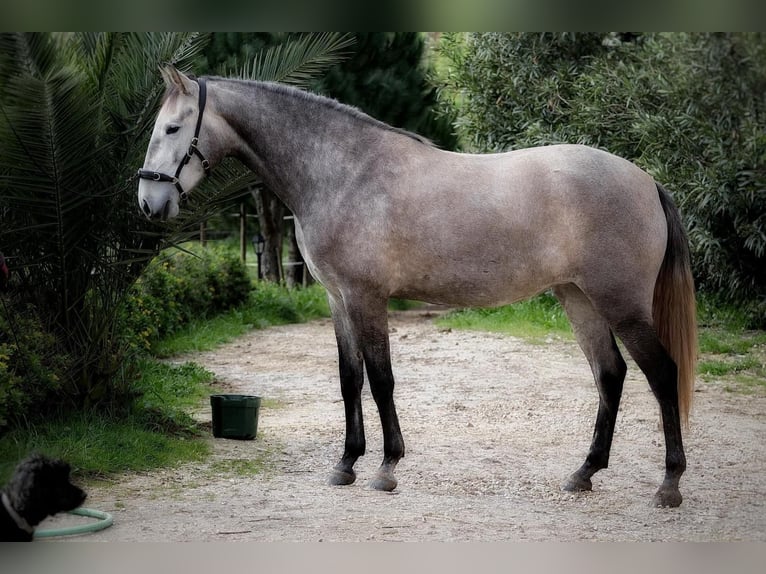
192 151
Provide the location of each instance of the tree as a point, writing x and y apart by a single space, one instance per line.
76 111
388 77
689 108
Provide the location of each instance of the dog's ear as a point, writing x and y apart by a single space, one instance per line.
63 467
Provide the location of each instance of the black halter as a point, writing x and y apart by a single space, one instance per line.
193 150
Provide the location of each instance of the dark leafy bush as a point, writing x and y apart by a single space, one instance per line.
688 108
180 287
33 367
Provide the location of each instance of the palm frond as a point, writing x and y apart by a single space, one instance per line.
75 116
298 61
48 139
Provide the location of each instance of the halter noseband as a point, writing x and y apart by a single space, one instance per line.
193 150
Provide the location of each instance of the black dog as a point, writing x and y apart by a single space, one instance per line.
39 488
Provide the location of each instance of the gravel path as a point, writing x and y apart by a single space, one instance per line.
492 426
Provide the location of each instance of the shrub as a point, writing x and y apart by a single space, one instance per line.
180 287
688 108
32 368
35 366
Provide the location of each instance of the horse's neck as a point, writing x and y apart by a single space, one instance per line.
295 144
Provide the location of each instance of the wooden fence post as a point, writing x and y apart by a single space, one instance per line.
243 231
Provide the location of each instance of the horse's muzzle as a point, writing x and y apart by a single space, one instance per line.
162 214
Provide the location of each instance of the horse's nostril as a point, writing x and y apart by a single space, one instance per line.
145 207
166 210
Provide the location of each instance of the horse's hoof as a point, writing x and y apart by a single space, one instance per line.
667 498
576 483
341 477
384 482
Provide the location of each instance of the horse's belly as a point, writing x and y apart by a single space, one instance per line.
480 286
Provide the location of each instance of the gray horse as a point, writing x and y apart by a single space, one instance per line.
380 213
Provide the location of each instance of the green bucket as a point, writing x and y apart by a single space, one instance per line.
235 416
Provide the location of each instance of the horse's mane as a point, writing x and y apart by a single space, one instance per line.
325 102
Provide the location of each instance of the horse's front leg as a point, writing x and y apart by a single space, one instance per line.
373 339
351 368
362 331
378 361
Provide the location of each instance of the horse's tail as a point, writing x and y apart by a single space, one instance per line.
675 307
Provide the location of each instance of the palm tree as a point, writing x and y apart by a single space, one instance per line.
76 111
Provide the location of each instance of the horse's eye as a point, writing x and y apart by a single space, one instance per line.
172 129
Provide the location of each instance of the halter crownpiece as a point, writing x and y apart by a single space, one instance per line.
192 151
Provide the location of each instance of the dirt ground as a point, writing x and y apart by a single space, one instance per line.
492 426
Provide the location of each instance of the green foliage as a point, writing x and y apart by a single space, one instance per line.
166 393
534 319
388 77
689 108
296 59
182 287
269 304
33 367
734 359
75 115
228 52
730 354
98 445
720 367
175 289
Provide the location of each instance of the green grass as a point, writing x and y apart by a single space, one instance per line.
98 445
157 431
172 386
268 305
733 358
721 368
535 319
731 355
719 341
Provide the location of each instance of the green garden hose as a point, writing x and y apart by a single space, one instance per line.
105 520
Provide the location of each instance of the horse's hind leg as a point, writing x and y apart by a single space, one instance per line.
374 342
608 367
644 346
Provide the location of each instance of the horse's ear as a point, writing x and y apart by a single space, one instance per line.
174 78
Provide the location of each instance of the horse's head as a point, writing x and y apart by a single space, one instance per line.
177 157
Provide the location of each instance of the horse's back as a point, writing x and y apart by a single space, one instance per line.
487 229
